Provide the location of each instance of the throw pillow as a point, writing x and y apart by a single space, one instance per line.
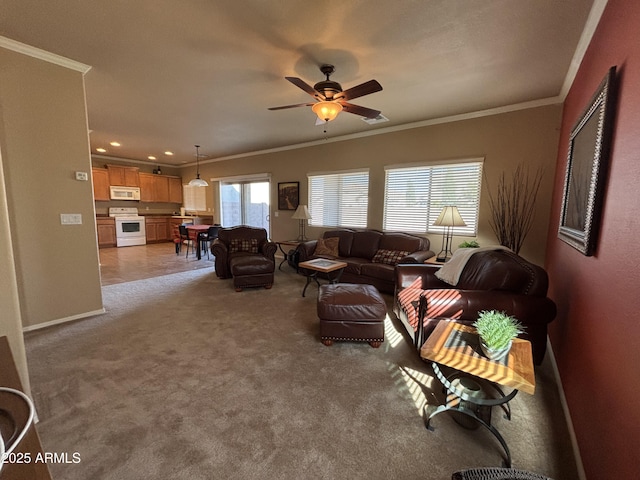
327 246
390 257
249 245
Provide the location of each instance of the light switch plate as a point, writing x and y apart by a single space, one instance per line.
82 176
71 218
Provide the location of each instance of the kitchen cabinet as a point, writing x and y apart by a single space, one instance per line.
106 228
158 229
160 188
123 176
147 187
175 189
101 190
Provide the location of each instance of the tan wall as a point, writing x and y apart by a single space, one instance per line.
44 142
504 140
10 319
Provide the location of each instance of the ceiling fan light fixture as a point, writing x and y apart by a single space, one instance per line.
198 182
327 111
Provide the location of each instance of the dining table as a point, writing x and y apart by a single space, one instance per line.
197 230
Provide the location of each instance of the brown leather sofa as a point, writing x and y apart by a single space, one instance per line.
371 255
491 280
246 254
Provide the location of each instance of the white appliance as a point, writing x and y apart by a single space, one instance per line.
125 193
130 229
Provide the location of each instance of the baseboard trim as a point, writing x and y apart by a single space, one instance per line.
80 316
567 414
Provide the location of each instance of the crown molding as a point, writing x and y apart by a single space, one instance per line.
381 131
585 39
34 52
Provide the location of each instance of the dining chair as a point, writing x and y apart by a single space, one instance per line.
209 236
184 237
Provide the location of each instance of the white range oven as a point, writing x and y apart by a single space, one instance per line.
130 229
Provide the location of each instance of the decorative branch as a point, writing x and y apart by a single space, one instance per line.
513 207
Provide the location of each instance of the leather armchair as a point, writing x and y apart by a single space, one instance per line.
491 280
245 254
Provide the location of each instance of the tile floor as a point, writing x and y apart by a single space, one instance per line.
125 264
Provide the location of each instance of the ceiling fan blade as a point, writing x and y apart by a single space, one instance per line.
358 110
291 106
298 82
361 90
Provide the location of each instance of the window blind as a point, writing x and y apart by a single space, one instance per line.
194 198
415 196
339 199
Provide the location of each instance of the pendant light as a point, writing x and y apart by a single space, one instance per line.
198 182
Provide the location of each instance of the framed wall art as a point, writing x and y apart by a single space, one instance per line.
288 195
589 145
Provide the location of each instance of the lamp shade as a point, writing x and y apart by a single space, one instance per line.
327 111
198 182
301 213
449 217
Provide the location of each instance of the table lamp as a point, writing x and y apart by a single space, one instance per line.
449 217
302 214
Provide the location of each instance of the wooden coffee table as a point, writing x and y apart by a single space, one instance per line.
311 269
473 388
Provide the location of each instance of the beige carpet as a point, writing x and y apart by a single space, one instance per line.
183 378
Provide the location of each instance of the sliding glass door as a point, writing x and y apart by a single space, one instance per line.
245 203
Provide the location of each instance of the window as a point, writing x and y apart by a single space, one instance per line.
245 203
415 195
339 199
194 198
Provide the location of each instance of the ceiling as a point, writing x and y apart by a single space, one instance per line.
168 74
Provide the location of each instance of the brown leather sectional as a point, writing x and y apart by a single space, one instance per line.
358 248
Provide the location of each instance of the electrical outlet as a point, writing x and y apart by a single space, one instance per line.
71 218
82 176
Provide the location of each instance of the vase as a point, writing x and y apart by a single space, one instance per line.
495 355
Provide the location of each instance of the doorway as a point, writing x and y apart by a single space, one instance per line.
245 203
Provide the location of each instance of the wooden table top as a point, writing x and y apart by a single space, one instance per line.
457 346
30 444
290 243
198 228
322 265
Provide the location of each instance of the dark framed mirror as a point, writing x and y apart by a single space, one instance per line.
589 145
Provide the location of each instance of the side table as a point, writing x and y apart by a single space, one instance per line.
286 243
473 388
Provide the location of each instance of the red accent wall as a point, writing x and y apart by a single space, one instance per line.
596 336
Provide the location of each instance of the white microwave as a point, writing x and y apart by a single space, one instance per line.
125 193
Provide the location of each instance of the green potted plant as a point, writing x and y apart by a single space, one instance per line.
497 331
469 244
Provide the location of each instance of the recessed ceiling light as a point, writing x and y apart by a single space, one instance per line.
101 150
168 153
114 144
151 157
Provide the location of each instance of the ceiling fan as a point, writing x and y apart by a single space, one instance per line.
331 99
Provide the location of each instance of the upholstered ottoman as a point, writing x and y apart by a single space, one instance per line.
351 312
251 271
